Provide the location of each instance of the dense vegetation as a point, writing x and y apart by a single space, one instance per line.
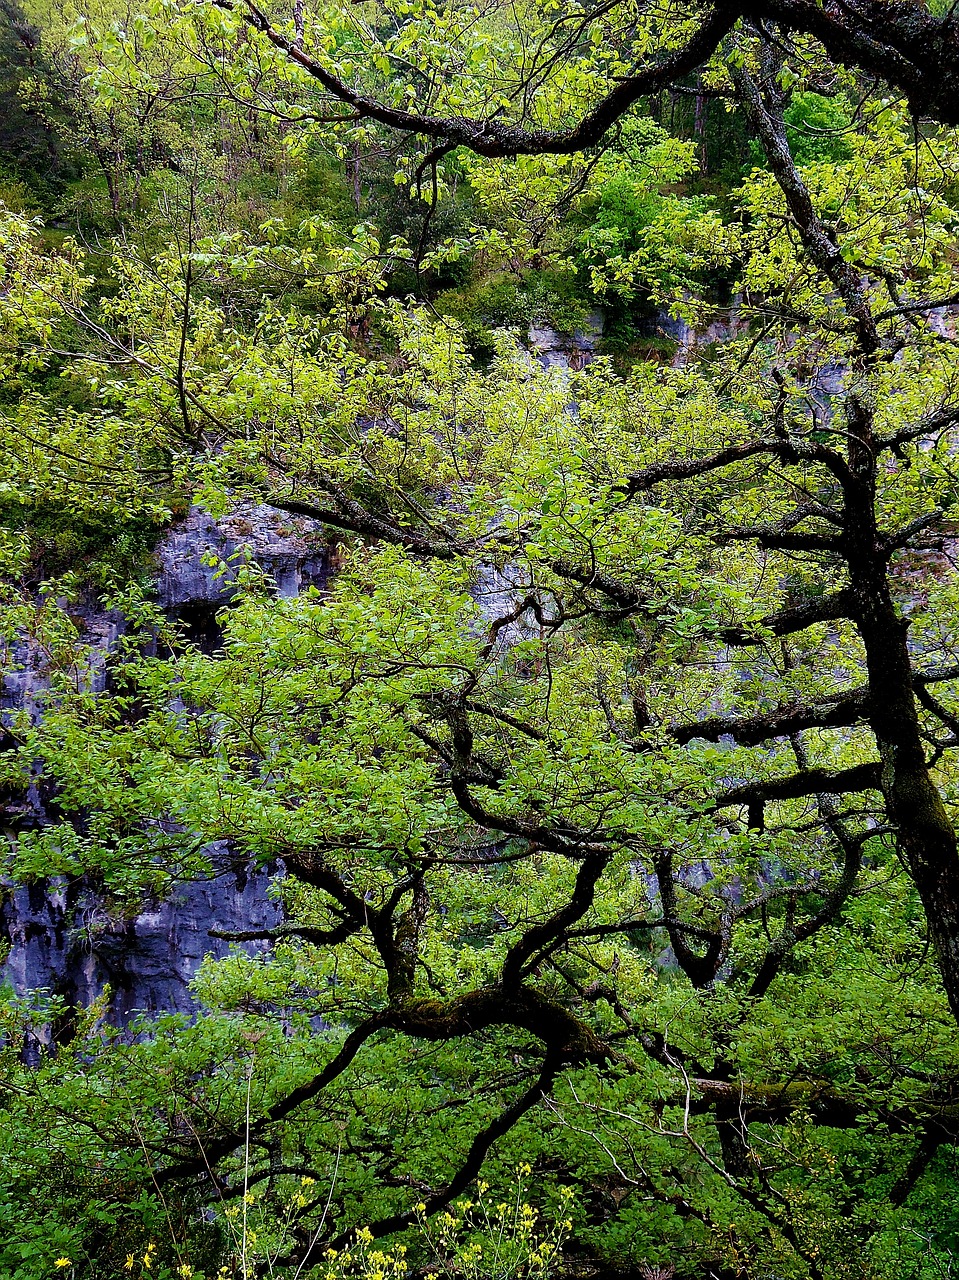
611 786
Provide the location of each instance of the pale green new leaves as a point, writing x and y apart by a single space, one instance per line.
36 289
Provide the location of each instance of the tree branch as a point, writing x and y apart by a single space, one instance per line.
496 138
837 711
860 777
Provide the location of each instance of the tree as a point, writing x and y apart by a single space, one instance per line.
593 776
883 43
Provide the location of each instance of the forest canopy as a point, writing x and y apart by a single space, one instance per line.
607 356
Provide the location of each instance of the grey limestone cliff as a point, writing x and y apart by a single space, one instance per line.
61 938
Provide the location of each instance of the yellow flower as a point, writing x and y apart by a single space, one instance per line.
128 1265
185 1270
307 1182
63 1262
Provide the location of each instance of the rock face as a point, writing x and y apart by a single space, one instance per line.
566 350
61 939
191 587
63 943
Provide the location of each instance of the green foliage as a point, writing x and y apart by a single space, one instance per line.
502 759
98 548
657 248
818 128
550 296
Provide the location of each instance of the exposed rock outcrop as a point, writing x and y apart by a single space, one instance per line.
61 938
63 942
566 350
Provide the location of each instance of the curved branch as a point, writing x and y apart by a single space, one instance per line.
841 605
833 899
467 1171
521 957
495 138
819 240
699 969
353 518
